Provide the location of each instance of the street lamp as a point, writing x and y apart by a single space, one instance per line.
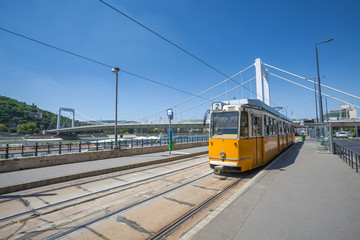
318 73
116 71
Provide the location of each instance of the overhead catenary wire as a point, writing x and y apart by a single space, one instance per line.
162 84
54 47
307 79
165 39
94 61
298 84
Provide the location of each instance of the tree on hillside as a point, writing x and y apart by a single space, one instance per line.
13 114
27 128
3 128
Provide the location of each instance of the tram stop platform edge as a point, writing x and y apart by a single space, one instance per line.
302 194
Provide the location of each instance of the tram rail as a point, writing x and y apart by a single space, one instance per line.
98 194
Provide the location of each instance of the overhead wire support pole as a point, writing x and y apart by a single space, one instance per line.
317 118
116 71
319 87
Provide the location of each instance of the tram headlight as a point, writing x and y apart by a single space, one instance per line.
222 154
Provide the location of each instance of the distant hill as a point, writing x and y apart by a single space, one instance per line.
22 118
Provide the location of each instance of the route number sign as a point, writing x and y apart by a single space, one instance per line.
217 106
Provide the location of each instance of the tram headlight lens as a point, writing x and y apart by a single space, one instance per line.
222 154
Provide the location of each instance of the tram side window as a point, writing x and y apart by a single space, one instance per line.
257 124
244 127
260 124
279 127
267 126
275 127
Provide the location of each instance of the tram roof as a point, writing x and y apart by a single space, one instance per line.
255 103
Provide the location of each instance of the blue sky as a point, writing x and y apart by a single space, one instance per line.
229 35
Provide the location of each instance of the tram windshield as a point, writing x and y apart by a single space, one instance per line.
224 125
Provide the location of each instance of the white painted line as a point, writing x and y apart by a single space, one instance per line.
176 152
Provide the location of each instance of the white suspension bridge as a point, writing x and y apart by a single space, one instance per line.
154 120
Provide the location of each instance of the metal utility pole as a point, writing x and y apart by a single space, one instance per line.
170 115
116 71
319 85
327 113
317 115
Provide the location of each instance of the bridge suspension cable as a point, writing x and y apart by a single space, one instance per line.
306 79
197 105
86 117
197 95
314 90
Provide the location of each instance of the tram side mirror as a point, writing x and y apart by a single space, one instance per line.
205 116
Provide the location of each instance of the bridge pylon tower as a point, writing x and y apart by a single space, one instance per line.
262 82
72 110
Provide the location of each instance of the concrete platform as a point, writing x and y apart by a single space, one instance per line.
301 195
31 178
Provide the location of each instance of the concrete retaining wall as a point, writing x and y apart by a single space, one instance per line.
9 165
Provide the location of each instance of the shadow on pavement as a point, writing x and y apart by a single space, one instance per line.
287 158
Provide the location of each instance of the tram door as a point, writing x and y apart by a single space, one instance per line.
257 136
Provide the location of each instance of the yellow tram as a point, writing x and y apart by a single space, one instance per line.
245 134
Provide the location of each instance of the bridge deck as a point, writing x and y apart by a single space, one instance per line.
301 195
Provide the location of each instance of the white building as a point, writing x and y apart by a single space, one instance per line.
346 111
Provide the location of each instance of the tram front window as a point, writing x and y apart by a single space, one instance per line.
224 125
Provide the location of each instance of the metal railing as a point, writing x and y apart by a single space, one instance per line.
347 155
40 149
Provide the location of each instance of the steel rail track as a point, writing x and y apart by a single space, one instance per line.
165 231
84 225
15 197
35 214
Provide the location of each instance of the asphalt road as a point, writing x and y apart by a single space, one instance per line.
351 144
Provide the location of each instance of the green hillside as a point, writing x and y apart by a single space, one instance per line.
22 118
